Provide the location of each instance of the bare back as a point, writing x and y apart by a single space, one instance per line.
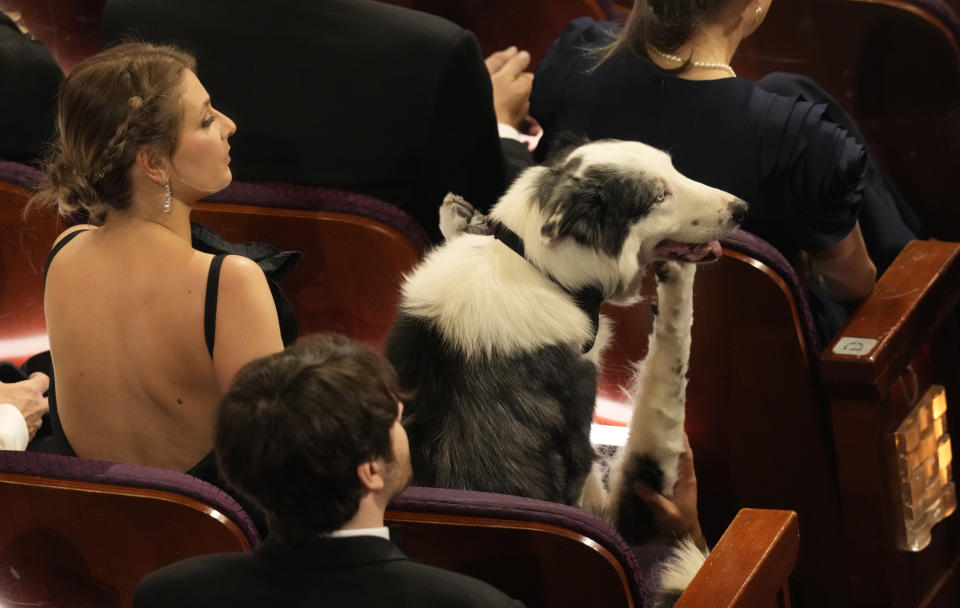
135 381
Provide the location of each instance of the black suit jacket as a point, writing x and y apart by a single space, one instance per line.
352 93
357 572
29 80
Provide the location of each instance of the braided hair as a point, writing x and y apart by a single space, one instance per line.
109 107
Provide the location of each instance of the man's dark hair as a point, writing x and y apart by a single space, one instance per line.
295 426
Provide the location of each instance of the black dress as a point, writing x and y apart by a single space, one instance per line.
806 178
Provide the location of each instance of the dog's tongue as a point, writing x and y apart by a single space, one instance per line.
689 252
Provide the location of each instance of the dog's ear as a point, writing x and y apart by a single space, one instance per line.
597 207
550 231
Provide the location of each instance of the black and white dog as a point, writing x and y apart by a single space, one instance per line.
500 336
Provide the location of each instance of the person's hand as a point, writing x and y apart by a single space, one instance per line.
529 126
676 516
511 85
27 396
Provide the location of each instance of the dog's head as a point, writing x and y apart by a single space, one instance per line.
597 213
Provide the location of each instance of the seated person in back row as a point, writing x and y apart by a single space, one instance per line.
313 436
356 94
781 144
29 79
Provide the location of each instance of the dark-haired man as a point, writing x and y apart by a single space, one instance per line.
313 436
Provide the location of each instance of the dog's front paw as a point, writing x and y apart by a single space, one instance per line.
458 216
674 287
668 271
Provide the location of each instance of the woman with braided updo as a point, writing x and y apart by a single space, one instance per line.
146 333
781 144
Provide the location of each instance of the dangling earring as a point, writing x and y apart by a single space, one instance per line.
166 197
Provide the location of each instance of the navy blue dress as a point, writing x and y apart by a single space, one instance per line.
806 178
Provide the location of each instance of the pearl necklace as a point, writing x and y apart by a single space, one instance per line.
710 65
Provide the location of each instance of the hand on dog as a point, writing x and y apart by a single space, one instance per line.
676 516
511 87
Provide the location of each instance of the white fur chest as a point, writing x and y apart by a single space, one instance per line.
486 299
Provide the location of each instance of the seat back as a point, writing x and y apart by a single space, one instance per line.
24 246
547 554
543 553
79 532
356 251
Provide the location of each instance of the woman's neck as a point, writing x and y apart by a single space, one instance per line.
149 210
711 46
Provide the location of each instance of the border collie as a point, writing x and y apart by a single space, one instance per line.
499 337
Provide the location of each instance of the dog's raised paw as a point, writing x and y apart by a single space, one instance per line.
666 270
458 216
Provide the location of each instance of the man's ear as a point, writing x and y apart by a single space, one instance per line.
153 164
370 474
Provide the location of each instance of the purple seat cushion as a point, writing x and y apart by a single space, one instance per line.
501 506
762 251
285 195
97 471
280 195
22 175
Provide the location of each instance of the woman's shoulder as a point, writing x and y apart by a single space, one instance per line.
72 230
238 274
813 165
792 129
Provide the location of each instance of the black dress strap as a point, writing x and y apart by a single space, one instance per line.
56 249
210 302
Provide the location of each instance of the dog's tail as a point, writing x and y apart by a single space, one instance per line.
677 571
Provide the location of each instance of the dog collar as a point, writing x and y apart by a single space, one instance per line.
587 299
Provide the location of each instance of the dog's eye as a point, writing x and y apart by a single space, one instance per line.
660 196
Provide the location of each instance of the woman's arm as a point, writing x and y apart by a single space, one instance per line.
844 269
247 325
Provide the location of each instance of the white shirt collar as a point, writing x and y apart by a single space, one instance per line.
381 532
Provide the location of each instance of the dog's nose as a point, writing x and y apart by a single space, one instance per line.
738 210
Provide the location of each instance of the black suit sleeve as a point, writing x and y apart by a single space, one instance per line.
463 153
516 158
30 78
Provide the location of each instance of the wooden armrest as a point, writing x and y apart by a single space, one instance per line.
750 564
911 299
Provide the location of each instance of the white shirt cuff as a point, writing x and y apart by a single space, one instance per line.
14 434
508 132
